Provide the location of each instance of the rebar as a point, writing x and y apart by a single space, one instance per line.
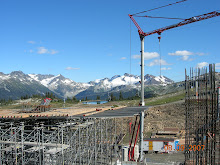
202 117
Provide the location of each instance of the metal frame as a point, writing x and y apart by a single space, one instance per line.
202 117
75 141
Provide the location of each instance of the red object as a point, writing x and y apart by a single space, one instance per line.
129 151
135 140
130 126
185 22
98 109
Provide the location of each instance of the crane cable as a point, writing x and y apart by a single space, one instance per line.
159 37
130 51
148 16
160 7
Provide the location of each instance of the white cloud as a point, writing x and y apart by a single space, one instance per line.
53 51
31 42
42 50
185 54
31 51
147 55
217 66
70 68
202 64
123 58
157 62
185 58
165 68
181 53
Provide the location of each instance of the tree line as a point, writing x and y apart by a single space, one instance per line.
113 97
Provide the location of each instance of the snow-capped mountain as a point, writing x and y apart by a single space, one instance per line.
128 79
157 80
127 83
60 85
115 81
18 84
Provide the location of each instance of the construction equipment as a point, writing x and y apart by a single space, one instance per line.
142 34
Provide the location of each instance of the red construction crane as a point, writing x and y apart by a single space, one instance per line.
159 31
142 34
185 22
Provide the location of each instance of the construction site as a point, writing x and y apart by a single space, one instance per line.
42 135
69 140
116 136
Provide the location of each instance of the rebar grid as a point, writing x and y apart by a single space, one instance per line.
76 141
202 117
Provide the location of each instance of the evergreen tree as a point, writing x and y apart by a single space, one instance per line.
121 96
74 99
113 98
98 97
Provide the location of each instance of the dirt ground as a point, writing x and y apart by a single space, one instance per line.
167 115
77 109
165 159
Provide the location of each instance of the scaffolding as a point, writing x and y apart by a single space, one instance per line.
43 107
75 141
202 117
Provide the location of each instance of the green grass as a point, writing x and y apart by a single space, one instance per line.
169 98
165 100
10 106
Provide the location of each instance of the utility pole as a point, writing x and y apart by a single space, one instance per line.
64 102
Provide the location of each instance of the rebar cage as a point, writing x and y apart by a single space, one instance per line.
202 117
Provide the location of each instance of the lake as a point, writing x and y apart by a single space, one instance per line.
94 102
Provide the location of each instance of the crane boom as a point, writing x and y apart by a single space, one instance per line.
185 22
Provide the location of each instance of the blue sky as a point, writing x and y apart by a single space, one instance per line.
87 40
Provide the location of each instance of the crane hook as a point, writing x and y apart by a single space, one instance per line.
159 37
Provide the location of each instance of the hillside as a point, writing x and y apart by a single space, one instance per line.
17 84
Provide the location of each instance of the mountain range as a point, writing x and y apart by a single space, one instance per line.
17 84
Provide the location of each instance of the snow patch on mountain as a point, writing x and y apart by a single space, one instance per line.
60 85
68 88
